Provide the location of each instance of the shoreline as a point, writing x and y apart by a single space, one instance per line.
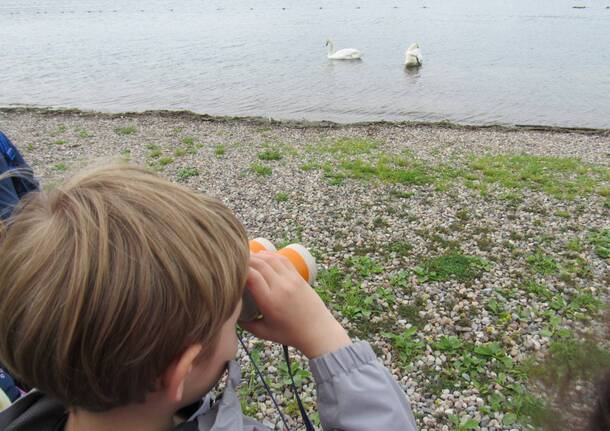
322 124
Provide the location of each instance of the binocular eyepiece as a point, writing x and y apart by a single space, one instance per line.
299 256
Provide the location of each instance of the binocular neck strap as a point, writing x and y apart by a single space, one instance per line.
306 420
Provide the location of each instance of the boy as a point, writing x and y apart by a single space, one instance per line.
120 296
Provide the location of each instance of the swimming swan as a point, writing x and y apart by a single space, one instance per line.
342 54
413 57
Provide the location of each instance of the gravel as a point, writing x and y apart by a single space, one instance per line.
359 218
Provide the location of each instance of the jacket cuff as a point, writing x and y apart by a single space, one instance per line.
342 361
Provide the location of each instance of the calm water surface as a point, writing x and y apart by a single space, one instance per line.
485 61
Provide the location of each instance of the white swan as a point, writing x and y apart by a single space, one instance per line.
413 57
342 54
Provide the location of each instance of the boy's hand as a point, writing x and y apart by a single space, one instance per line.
293 313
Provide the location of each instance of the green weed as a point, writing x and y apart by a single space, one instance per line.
542 263
600 240
365 266
406 344
394 171
299 373
220 150
126 130
82 133
155 153
281 197
61 128
164 161
353 303
188 141
401 248
400 194
453 265
186 173
401 280
574 245
309 166
263 171
270 155
346 146
463 424
557 176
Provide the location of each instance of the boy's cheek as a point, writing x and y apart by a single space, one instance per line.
235 345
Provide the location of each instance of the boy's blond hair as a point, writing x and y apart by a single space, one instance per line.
105 281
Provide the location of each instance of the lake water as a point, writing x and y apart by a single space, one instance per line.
485 61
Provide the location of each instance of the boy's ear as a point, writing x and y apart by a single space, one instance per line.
174 376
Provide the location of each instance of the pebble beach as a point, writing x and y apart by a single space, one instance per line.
467 257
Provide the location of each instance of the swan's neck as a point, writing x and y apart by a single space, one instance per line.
331 48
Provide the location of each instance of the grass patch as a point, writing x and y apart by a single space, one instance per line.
574 245
190 145
401 248
60 142
560 177
179 152
352 302
220 150
164 161
452 266
346 146
188 141
410 312
270 155
61 167
400 194
185 173
537 289
126 130
309 166
82 133
397 171
155 152
329 281
263 171
600 240
364 265
542 264
61 128
406 344
281 197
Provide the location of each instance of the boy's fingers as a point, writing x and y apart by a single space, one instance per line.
274 260
262 267
278 262
257 285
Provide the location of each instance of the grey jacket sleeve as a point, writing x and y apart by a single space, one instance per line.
356 392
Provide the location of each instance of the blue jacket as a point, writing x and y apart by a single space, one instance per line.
12 189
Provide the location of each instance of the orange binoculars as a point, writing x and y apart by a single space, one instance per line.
299 256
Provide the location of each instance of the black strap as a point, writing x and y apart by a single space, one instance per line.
260 376
306 420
